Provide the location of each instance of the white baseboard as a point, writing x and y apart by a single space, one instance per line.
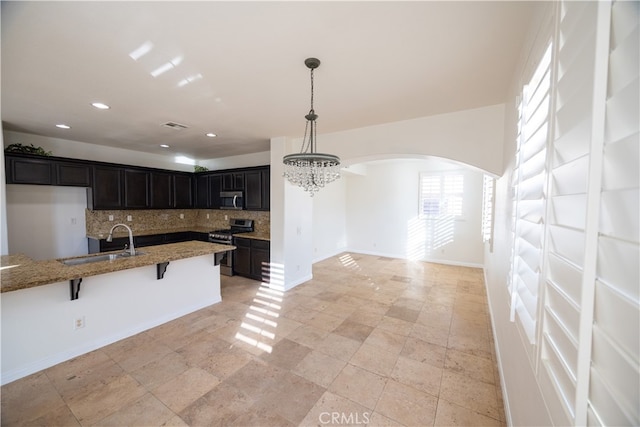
291 285
403 256
505 395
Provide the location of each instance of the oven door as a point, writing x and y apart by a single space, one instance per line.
226 264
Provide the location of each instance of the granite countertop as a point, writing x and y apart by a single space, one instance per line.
21 272
255 235
122 232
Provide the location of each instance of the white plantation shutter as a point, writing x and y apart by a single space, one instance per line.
488 188
590 344
441 195
529 197
567 214
614 389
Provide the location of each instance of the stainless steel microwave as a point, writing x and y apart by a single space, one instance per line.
231 200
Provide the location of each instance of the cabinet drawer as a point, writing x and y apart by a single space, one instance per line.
260 244
242 242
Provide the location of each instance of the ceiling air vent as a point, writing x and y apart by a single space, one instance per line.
174 125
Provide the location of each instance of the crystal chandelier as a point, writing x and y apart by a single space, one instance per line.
308 169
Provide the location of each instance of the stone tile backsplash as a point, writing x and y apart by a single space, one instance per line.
97 221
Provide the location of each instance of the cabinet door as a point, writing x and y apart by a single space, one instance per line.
73 174
260 264
253 190
202 191
136 189
242 257
29 171
266 188
215 187
106 192
232 181
161 186
182 191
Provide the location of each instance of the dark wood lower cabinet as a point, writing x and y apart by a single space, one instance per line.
260 260
252 258
242 257
101 245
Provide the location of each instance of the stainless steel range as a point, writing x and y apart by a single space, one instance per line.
225 237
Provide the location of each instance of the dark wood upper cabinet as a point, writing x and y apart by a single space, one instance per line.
115 186
29 171
22 169
202 191
233 181
215 187
182 191
161 190
257 189
72 174
266 188
136 189
253 190
106 192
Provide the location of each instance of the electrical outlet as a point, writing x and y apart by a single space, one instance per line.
78 323
181 216
74 221
207 216
226 217
129 218
110 217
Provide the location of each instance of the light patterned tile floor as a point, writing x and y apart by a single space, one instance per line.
369 341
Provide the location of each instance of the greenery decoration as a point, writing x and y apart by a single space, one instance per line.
197 168
28 149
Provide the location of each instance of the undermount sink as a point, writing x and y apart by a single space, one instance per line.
96 258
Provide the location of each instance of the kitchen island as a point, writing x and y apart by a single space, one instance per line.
42 324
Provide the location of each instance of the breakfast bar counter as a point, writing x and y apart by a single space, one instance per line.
21 272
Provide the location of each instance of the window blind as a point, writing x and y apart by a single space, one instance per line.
614 389
529 193
567 215
441 195
488 187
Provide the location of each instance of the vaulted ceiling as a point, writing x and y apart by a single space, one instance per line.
237 68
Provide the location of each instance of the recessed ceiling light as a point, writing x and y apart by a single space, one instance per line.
211 135
164 146
63 126
100 106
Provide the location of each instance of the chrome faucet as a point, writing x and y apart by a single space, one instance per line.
131 249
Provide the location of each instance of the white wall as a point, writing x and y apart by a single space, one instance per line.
382 214
330 219
247 160
472 137
82 150
46 222
291 225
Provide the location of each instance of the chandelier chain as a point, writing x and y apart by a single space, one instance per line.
309 169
